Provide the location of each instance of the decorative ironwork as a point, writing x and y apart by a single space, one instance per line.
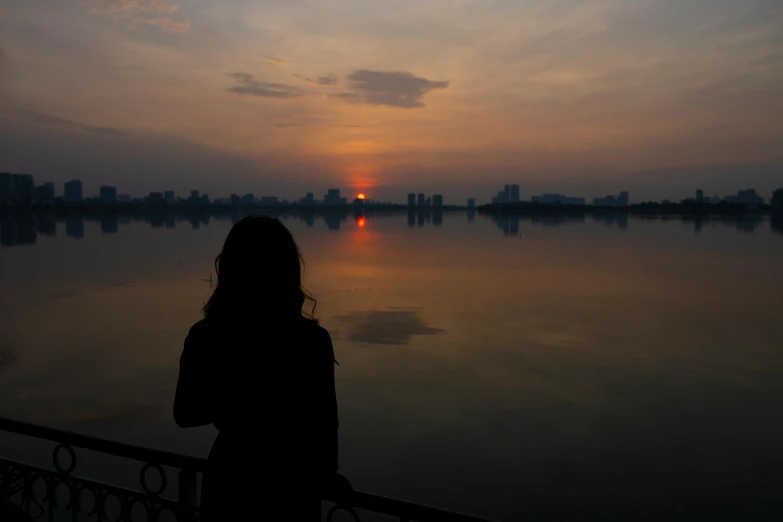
37 491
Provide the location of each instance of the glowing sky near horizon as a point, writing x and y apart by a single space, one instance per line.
458 96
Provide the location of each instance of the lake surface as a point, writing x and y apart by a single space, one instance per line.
540 369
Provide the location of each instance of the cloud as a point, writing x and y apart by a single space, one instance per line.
321 80
142 13
386 326
285 125
390 89
274 61
166 24
39 117
247 84
48 119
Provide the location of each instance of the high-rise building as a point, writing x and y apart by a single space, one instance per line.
699 196
621 200
776 202
124 198
194 195
422 199
411 199
333 197
514 197
6 186
44 193
108 194
471 203
745 197
24 188
73 190
506 193
437 201
169 196
50 186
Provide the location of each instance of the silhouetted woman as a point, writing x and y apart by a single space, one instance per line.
262 371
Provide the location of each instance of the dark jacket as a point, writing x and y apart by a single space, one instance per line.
269 389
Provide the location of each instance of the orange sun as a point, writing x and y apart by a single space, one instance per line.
360 196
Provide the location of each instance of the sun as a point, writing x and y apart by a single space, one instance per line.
360 196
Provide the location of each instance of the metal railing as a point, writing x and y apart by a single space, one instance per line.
35 491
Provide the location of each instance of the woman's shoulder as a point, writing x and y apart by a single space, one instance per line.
199 331
314 329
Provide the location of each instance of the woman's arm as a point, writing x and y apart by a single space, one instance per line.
194 403
327 421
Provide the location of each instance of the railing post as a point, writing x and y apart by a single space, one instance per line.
28 494
187 496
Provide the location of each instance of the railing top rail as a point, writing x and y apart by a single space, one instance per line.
408 510
118 449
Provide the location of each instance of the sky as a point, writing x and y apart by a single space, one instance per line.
282 97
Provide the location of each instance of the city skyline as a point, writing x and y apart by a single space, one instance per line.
656 96
21 188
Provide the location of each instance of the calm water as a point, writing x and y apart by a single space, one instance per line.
509 369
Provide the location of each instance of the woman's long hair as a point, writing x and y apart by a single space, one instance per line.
259 275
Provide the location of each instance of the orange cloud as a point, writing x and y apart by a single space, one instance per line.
166 24
156 13
274 61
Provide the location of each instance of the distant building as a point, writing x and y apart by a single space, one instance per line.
506 193
514 196
437 201
428 202
777 199
74 191
549 199
411 199
471 203
194 195
124 198
621 200
272 200
333 197
169 196
43 193
17 188
699 196
422 200
108 194
6 187
308 199
745 197
155 198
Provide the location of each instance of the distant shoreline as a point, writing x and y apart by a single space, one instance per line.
649 209
86 208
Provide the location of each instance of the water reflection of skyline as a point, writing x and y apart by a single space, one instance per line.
23 229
